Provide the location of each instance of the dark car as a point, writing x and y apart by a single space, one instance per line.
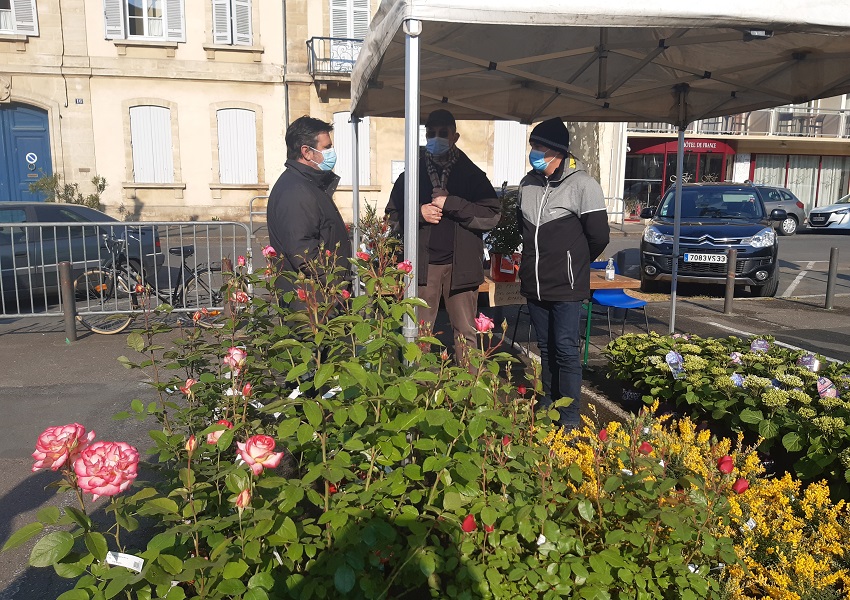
29 255
778 197
715 218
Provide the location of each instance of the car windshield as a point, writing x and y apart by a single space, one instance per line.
707 203
844 200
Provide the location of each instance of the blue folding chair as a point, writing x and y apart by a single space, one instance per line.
617 299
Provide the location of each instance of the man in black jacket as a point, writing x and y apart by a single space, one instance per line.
302 216
564 227
457 204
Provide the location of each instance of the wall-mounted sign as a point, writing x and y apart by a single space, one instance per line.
31 158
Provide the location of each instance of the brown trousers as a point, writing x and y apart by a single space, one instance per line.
460 305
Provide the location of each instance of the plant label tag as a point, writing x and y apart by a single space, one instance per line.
749 525
674 361
826 389
119 559
506 265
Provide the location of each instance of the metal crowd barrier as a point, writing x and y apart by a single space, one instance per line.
616 211
162 255
252 212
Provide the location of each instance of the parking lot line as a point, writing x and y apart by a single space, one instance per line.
742 333
798 279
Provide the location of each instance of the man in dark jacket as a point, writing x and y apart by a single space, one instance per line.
564 227
302 216
457 204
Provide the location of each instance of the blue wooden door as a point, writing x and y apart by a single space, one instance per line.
24 150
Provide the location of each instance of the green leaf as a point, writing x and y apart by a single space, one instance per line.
74 595
489 515
344 579
96 544
255 594
748 415
452 501
22 535
408 389
357 413
171 564
323 374
231 587
768 429
234 570
427 564
161 541
137 406
136 342
261 580
48 515
585 510
225 440
792 441
51 548
313 412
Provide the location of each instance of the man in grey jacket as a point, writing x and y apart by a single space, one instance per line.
564 227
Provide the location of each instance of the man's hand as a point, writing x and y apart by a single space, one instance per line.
431 213
438 197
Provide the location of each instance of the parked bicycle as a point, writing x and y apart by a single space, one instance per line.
115 291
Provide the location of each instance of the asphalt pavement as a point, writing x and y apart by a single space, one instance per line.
46 380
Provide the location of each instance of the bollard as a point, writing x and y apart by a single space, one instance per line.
731 261
830 279
69 301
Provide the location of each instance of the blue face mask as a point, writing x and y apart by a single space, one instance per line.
437 145
328 159
538 160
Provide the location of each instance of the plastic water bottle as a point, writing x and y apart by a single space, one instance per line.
609 270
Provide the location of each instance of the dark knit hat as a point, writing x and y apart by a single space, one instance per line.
441 117
552 134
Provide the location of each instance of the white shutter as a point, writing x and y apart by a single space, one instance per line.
359 19
113 18
339 19
237 145
221 21
364 150
150 137
510 160
24 17
342 143
242 31
174 22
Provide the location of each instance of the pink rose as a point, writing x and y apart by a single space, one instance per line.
106 468
740 486
247 389
345 294
58 446
187 389
243 500
269 252
302 295
483 324
258 453
405 266
240 297
328 253
235 357
212 437
725 464
240 262
363 255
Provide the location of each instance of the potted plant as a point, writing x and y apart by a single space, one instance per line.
504 239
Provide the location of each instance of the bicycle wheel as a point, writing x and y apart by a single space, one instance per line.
205 293
98 291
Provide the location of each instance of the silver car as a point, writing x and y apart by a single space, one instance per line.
834 216
777 197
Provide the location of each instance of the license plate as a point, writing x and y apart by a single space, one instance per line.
817 218
705 258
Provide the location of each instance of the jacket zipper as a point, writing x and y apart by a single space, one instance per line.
570 270
536 246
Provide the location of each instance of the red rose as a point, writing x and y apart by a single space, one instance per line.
332 488
740 486
469 525
645 448
521 390
345 294
247 389
725 464
302 295
506 440
363 255
489 528
603 435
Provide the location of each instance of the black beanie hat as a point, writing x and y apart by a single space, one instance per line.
552 134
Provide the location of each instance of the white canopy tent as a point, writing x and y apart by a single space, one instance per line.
617 60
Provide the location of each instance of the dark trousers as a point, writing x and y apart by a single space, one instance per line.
460 304
556 325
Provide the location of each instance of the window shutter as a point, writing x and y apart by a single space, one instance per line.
221 22
360 19
25 19
364 152
175 24
339 19
150 138
113 17
237 145
242 32
342 143
510 152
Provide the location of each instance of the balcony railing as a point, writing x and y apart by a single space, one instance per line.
332 56
782 121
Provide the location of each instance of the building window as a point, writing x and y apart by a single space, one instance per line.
232 22
343 136
237 146
510 159
145 20
150 137
18 16
349 19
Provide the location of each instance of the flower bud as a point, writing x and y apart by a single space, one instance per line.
247 389
191 445
603 435
302 295
345 294
469 525
521 390
506 440
725 464
240 262
243 500
740 486
645 448
489 528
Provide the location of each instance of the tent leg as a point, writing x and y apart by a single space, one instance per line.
412 29
355 192
677 225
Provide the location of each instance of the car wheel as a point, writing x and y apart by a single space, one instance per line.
788 226
769 289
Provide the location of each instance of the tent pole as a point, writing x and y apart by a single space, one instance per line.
677 224
412 29
355 192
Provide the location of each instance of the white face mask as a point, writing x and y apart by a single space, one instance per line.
328 159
